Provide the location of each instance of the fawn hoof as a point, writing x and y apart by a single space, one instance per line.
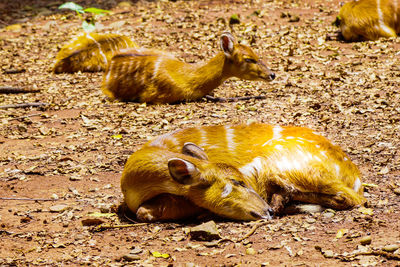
145 215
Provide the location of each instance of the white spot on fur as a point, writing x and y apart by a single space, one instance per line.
345 159
337 168
279 147
252 168
317 146
126 43
323 153
231 144
277 134
357 185
289 137
99 46
109 72
157 66
203 137
227 190
317 158
284 164
382 24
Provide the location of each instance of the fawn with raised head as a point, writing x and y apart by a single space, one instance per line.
153 76
90 52
243 172
364 20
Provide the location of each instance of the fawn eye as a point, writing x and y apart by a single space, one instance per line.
250 60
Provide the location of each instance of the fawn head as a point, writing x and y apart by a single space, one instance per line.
217 187
244 63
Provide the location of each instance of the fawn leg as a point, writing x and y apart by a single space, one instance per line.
344 199
278 202
167 207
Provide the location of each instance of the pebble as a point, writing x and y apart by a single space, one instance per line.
397 191
205 232
328 215
250 251
328 254
59 208
391 248
131 257
366 240
310 220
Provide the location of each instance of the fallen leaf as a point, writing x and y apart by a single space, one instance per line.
159 255
366 211
341 232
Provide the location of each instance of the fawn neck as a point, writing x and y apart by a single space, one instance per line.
209 76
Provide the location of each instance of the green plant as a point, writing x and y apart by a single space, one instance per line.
88 25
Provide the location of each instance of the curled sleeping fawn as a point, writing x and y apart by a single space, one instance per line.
369 19
153 76
90 52
243 172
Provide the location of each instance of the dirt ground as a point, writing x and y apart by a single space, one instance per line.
60 163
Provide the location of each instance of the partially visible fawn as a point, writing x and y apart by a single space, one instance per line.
369 19
90 52
235 171
153 76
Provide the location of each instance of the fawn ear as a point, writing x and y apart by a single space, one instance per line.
194 150
183 171
227 43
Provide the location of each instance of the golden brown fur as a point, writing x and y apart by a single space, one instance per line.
369 19
281 164
90 52
153 76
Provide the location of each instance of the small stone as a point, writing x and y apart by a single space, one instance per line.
204 232
328 254
92 221
131 257
125 4
59 208
311 220
391 248
250 251
234 19
294 19
328 215
397 191
366 240
136 250
54 196
75 178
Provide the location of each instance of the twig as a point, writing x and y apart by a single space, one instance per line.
102 227
233 99
15 90
26 199
24 117
14 71
252 231
24 105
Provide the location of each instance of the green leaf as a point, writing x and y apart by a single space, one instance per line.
88 26
72 6
96 10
